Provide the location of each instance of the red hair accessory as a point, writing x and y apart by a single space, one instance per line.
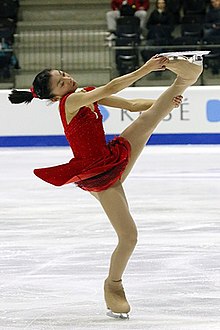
33 92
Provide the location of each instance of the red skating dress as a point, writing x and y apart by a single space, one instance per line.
96 165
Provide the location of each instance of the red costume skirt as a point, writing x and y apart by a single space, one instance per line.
89 174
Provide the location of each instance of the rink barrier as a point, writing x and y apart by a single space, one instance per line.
156 139
196 121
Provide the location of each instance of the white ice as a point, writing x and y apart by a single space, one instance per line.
55 244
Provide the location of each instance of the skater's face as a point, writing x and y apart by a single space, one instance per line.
62 83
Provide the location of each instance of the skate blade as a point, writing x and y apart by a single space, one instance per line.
196 54
122 316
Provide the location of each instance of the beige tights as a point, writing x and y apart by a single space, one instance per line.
113 200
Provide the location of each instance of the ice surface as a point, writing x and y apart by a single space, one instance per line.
55 244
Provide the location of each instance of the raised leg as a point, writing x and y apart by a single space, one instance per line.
139 132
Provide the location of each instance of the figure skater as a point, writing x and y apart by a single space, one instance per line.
100 167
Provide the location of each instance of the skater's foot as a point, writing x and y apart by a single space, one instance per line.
115 299
187 69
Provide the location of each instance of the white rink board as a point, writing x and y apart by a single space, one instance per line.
199 113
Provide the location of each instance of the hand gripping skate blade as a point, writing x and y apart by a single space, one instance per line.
122 316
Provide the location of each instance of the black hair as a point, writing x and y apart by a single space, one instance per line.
41 88
20 96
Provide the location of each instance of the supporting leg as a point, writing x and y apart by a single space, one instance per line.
115 205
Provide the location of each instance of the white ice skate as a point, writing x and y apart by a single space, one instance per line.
122 316
194 56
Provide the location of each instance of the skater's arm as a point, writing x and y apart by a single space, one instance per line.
140 105
77 100
133 105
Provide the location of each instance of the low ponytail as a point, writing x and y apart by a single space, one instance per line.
17 97
40 89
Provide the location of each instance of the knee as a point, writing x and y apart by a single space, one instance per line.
142 14
129 239
113 14
108 14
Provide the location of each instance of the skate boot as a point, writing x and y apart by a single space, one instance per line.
116 300
195 56
188 66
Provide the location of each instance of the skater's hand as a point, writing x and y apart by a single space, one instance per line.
157 63
177 100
